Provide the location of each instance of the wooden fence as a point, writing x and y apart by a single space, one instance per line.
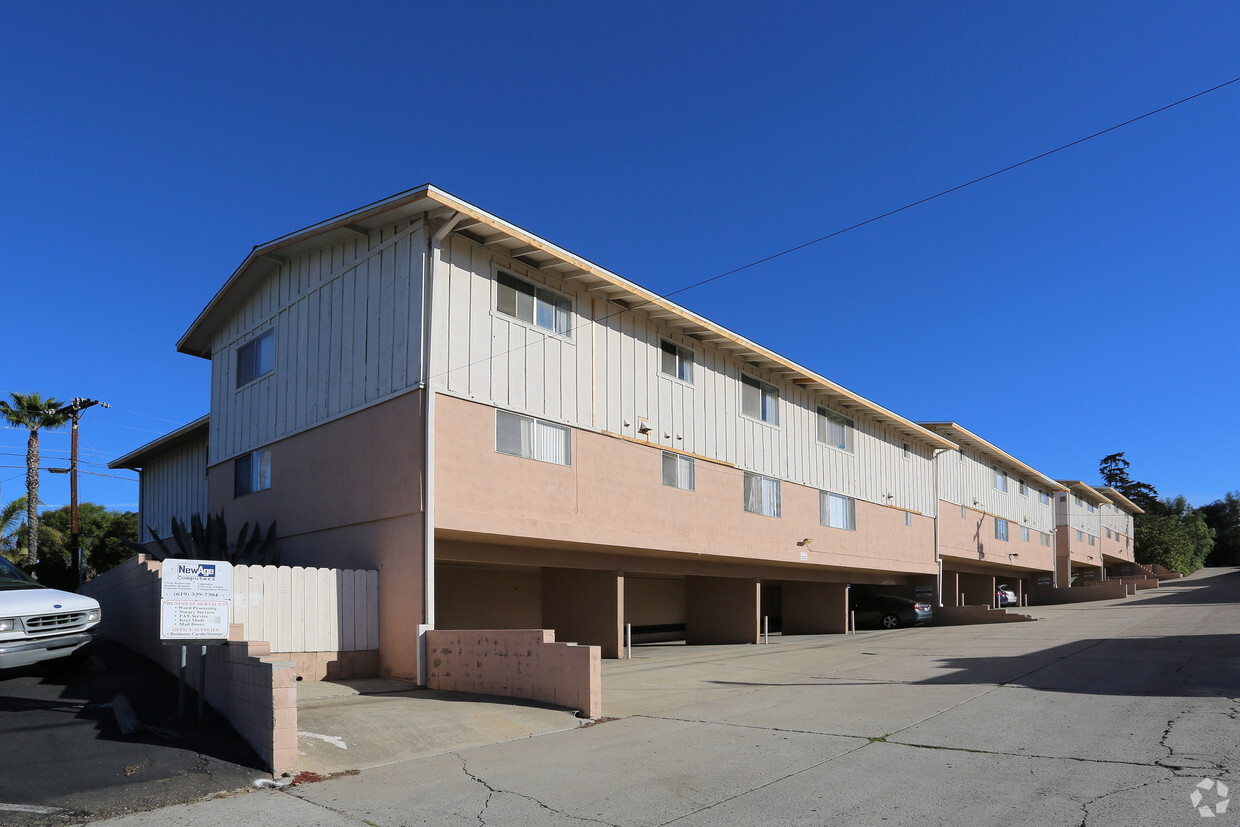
308 610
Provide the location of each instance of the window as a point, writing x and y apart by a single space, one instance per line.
1044 498
908 451
964 513
835 430
1091 539
837 511
252 472
1091 508
1080 536
759 400
256 358
1000 480
524 436
1108 534
761 495
678 361
908 518
1024 533
677 470
1078 501
1000 529
1023 488
1046 539
533 305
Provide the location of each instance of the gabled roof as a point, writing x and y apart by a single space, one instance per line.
138 457
967 439
447 213
1085 492
1119 500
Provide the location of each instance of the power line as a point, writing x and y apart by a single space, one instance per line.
867 221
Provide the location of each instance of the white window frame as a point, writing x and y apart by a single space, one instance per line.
1044 497
252 472
1024 533
837 430
535 437
908 451
837 511
546 309
256 358
681 359
1001 529
767 399
761 495
1046 538
908 518
678 471
1022 487
1080 536
1091 539
1001 479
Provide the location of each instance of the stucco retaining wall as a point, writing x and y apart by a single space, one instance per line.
517 663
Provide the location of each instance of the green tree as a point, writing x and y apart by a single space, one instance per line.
1114 472
102 535
1224 517
1176 536
33 412
11 526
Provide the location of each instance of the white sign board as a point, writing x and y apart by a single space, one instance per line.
196 600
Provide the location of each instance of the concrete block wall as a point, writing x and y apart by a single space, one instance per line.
968 615
254 691
517 663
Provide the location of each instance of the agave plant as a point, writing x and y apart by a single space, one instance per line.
209 541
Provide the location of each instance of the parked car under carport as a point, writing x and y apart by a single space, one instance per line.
886 611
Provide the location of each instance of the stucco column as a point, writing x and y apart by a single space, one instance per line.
585 606
721 610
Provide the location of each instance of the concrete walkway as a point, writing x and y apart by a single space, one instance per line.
1103 713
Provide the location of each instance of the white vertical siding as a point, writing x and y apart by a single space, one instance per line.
968 478
173 484
346 319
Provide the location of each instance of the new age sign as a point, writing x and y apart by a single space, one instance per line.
196 600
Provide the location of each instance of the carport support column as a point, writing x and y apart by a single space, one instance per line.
814 608
722 610
585 606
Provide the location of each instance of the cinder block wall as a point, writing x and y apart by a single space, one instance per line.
253 690
517 663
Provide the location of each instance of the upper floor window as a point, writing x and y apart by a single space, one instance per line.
1108 533
1080 536
525 436
533 304
759 400
677 361
835 430
1000 480
1078 501
1022 488
1001 527
1044 497
837 511
252 472
761 495
256 357
677 470
908 451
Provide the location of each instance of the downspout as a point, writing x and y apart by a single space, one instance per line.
434 249
938 510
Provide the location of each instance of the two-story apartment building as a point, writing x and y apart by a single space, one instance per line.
1116 522
516 437
996 519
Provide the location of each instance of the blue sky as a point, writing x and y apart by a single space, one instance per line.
1072 308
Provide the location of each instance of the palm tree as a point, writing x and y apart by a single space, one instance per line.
11 527
32 412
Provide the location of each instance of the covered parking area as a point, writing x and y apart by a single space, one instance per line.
591 597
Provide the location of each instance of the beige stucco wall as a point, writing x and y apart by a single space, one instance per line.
972 538
612 497
348 493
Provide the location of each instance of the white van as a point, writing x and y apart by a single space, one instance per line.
38 623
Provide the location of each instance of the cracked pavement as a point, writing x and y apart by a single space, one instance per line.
1098 714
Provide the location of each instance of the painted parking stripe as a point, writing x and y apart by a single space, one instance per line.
31 808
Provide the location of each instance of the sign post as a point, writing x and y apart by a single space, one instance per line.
195 608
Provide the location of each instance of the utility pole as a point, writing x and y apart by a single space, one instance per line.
75 409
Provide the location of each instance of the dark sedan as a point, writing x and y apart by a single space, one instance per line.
887 611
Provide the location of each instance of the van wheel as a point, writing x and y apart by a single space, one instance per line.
890 622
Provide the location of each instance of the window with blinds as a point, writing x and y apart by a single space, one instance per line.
532 304
837 431
761 495
837 511
677 470
525 436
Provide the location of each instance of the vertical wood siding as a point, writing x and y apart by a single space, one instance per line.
346 319
173 484
968 478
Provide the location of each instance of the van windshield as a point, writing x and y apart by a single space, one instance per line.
11 577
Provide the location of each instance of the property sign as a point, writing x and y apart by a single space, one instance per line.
196 600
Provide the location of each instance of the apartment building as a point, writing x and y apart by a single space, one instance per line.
516 437
1079 529
1116 529
996 520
